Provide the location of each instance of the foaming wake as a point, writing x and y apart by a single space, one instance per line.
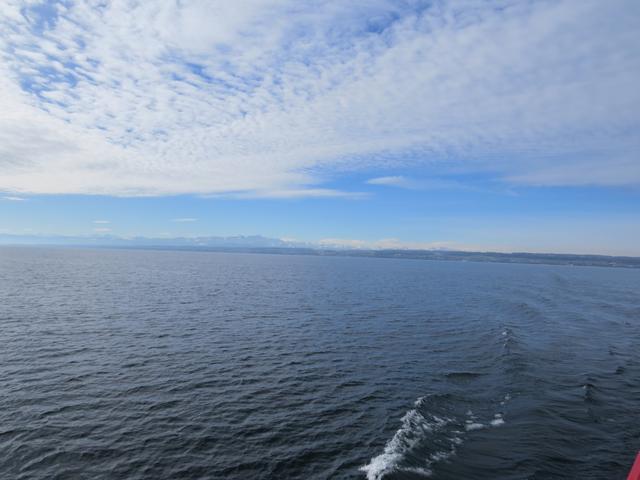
442 432
415 428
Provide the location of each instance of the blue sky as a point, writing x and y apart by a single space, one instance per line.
501 125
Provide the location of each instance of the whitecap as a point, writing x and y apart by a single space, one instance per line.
473 426
497 420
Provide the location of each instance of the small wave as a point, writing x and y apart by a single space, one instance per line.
508 337
463 375
589 392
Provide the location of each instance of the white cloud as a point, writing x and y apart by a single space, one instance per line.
14 199
268 98
400 181
184 220
292 193
101 222
102 230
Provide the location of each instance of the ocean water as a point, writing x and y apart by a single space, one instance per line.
120 364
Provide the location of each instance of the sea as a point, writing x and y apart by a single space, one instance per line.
142 364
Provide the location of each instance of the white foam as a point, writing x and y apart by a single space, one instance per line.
381 464
439 456
497 420
425 472
473 426
415 427
404 440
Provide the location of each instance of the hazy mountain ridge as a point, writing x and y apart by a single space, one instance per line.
260 244
113 240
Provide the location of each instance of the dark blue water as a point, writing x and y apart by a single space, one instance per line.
195 365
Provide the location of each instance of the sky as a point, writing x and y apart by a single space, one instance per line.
477 125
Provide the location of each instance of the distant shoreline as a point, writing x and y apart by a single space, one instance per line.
438 255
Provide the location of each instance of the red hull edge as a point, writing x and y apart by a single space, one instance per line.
634 474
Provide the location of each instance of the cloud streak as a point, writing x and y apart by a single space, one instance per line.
270 98
393 181
400 181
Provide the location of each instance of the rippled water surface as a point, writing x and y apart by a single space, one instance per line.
185 365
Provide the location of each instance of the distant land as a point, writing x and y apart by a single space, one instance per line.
260 244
